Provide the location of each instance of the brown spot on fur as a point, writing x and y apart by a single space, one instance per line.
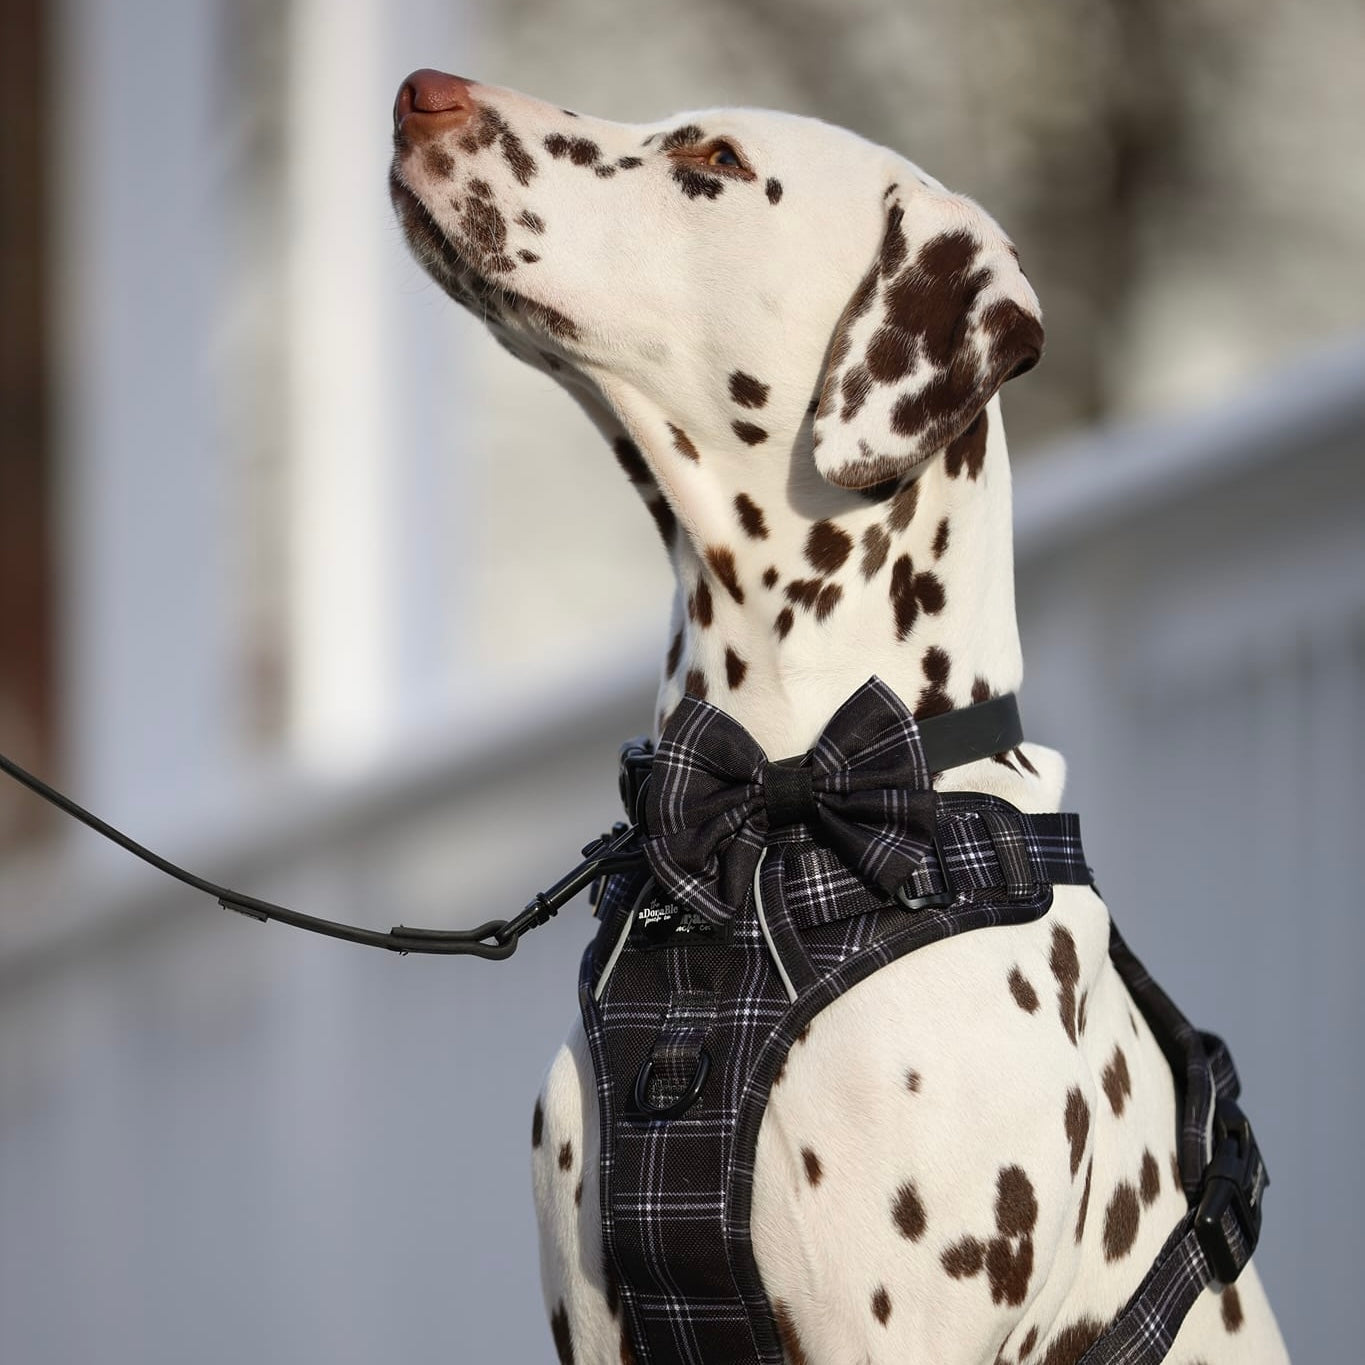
1066 967
529 257
830 596
1175 1172
773 189
695 684
747 391
695 185
891 354
537 1124
894 248
674 655
968 450
565 1155
981 690
1072 1342
903 507
1121 1222
855 387
907 1212
521 161
437 162
881 1304
911 592
1232 1308
1085 1200
578 1194
814 1171
1024 994
1009 1269
750 434
1117 1083
1149 1182
770 576
903 603
1077 1125
579 150
1023 760
1016 1206
912 1081
876 544
722 563
687 135
792 1348
682 443
784 622
803 592
964 1259
751 519
735 668
936 665
532 222
827 546
940 546
629 163
664 520
933 701
559 1329
605 171
699 606
1029 1342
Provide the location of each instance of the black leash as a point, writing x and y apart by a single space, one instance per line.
495 939
950 739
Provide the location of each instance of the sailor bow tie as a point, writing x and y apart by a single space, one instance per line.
863 790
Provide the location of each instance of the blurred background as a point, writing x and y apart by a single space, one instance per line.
274 522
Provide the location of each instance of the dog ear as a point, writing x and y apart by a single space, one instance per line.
941 320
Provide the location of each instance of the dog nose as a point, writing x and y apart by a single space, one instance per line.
434 100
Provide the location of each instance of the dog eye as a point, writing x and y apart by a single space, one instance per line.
722 154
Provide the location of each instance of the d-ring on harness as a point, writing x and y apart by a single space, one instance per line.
747 896
771 889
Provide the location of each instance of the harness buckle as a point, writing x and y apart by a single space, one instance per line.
1233 1183
933 900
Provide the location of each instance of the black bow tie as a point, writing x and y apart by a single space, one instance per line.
864 790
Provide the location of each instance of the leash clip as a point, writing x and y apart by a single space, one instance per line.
1233 1184
619 848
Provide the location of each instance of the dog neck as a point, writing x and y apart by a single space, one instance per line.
791 593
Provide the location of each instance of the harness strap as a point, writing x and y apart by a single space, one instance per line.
1222 1172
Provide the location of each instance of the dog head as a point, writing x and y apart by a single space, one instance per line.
726 267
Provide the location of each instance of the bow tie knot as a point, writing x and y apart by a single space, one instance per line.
789 792
714 795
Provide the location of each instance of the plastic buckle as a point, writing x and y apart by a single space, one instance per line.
637 761
1235 1179
934 900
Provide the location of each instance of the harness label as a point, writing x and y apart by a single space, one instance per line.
665 924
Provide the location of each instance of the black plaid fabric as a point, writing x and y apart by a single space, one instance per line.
665 982
710 801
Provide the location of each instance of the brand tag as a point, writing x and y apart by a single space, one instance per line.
665 924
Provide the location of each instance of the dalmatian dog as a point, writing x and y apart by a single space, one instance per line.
792 340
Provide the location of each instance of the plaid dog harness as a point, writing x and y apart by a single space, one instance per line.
770 889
